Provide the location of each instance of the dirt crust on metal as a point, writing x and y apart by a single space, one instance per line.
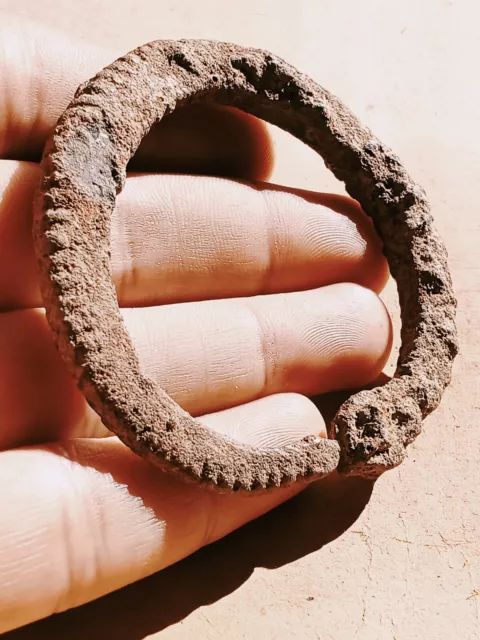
84 167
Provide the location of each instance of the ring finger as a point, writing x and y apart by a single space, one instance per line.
207 355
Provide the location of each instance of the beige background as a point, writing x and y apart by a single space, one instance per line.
340 562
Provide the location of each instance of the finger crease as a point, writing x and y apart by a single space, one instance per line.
268 352
270 241
129 276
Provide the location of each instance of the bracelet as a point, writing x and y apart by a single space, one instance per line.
84 167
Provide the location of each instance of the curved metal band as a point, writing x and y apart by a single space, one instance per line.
84 168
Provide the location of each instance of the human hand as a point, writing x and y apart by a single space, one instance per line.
239 298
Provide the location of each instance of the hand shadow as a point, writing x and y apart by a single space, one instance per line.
319 515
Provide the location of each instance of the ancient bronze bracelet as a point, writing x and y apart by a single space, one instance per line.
84 168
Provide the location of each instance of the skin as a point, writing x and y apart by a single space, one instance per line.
221 264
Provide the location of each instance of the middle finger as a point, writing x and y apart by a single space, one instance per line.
180 238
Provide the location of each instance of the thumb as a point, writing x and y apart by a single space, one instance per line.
86 518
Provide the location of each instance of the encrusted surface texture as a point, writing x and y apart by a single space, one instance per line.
84 168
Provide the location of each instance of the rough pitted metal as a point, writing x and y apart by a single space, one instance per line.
84 168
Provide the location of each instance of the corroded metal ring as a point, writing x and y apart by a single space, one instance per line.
84 168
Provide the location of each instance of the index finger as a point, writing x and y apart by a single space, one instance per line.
40 70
